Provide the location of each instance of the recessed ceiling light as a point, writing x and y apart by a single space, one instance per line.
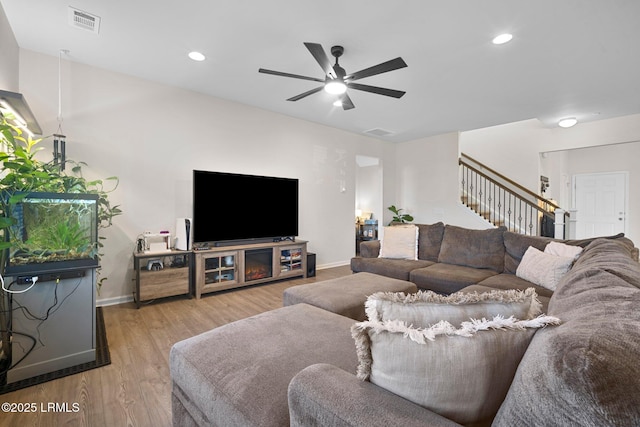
568 122
196 56
502 38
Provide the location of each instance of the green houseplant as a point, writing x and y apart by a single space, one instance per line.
398 216
21 173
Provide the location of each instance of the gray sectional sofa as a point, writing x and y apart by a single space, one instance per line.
452 258
297 365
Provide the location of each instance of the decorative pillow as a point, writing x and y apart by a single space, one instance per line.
460 373
516 244
399 241
426 308
562 249
543 269
473 248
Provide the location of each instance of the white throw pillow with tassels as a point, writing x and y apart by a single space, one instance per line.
425 308
462 373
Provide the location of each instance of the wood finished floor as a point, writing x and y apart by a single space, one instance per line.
135 389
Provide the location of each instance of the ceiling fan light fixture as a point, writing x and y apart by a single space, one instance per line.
335 87
568 122
337 103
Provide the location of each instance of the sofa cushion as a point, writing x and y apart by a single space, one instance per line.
586 242
237 374
542 268
399 241
430 240
516 244
511 281
448 278
473 248
324 395
396 268
345 295
611 257
460 373
426 308
370 248
584 372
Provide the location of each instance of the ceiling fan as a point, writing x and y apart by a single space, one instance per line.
337 81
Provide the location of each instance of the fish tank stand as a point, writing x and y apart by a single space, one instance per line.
67 335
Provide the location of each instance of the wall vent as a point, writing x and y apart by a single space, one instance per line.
378 132
84 20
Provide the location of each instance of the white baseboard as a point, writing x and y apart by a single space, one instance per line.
333 264
113 301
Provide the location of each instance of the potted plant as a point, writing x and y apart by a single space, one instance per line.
398 216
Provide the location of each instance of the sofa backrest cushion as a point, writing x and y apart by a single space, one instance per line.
516 244
473 248
586 242
429 241
585 371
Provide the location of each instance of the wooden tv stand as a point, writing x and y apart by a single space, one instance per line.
228 267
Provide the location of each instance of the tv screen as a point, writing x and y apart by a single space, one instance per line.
232 207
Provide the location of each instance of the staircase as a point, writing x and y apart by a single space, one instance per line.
503 202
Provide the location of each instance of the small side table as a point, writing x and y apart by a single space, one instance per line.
162 274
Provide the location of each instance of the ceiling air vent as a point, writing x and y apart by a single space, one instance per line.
378 132
84 20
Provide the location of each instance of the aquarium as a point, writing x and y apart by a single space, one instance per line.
52 232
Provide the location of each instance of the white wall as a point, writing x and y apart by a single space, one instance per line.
510 149
9 54
609 158
427 184
152 136
515 151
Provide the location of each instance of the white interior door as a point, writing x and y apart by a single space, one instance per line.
600 200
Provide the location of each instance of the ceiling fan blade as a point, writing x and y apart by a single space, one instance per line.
321 57
295 76
305 94
377 90
347 104
391 65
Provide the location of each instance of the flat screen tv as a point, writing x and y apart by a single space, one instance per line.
229 207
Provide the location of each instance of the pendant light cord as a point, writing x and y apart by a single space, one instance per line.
60 89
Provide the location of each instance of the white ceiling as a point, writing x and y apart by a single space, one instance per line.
577 58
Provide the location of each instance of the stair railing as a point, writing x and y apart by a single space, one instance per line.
504 202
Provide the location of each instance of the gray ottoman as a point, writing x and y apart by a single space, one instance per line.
238 374
345 295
